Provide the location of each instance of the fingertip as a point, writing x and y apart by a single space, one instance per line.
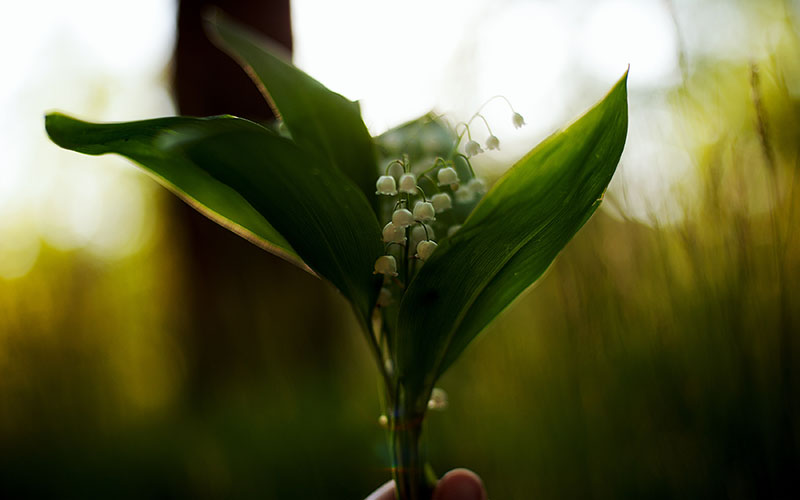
460 484
385 492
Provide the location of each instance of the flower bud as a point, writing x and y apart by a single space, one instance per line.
425 249
472 148
424 211
396 170
441 202
402 218
386 185
517 120
393 233
438 400
386 265
408 184
447 175
419 233
464 195
477 186
493 142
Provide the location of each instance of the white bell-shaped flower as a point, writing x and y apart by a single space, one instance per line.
402 218
453 230
408 184
517 120
425 249
493 142
386 264
464 195
419 233
386 185
424 211
438 400
472 148
393 233
447 175
441 202
477 186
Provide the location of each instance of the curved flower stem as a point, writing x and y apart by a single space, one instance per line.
466 128
469 163
485 122
436 162
492 99
433 183
376 352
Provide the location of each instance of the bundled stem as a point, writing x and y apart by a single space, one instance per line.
408 467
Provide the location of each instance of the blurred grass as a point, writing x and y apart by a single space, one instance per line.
654 360
658 361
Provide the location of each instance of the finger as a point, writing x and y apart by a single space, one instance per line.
385 492
460 484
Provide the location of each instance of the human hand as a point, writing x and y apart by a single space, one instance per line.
458 484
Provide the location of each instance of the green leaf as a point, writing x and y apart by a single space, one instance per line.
207 195
324 217
508 242
317 118
425 137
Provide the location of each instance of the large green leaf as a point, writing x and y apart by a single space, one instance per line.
212 198
318 210
316 117
508 241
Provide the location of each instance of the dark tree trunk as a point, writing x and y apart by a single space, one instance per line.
228 279
206 80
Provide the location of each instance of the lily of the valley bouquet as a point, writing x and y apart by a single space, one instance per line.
426 253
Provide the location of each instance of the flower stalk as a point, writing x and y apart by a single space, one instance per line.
250 180
409 467
408 463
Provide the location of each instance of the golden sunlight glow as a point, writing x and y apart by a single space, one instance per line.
91 58
551 59
632 32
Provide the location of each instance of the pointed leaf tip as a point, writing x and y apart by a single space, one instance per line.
320 121
508 241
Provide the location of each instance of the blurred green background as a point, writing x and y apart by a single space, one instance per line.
156 355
